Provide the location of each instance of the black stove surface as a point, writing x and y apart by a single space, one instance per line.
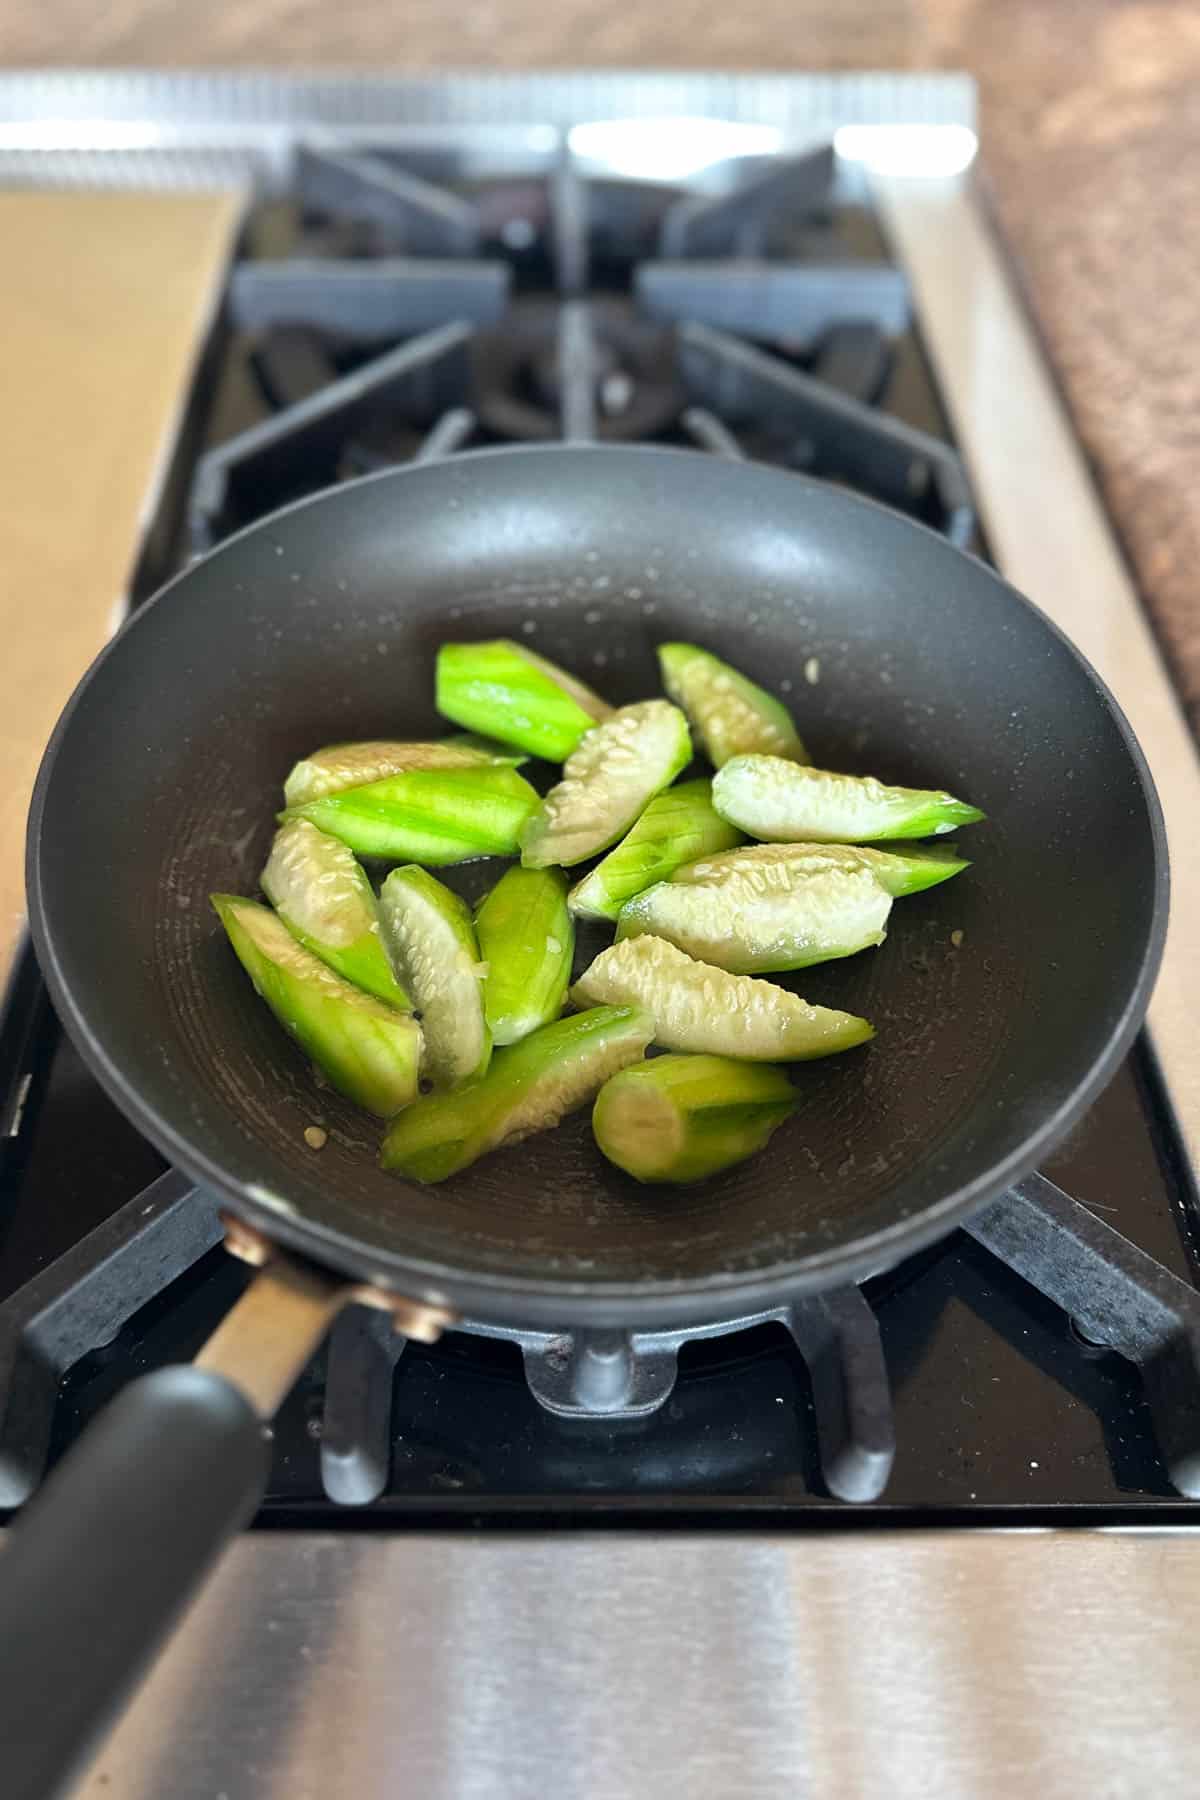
1001 1404
393 310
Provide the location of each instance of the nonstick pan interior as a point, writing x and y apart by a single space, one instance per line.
898 655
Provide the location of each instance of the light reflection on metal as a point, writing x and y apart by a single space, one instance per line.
668 149
910 150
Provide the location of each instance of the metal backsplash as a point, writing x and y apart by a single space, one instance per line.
156 129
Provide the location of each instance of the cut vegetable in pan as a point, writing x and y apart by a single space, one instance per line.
431 939
678 826
529 1088
368 1050
761 869
749 927
699 911
783 906
682 1118
618 767
340 766
526 940
323 897
781 801
705 1009
508 692
730 714
435 816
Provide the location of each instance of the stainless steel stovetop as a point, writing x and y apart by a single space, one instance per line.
518 1656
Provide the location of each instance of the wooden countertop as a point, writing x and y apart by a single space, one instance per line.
106 300
1091 150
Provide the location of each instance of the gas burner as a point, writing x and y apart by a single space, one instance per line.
383 411
396 307
369 1399
621 225
519 372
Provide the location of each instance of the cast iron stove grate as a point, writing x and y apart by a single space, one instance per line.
405 318
154 1256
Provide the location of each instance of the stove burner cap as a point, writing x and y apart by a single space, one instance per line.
637 392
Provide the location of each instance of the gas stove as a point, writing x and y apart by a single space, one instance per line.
404 293
796 271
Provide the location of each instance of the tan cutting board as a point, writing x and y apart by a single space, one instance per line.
105 299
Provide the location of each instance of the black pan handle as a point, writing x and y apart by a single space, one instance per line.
95 1573
103 1561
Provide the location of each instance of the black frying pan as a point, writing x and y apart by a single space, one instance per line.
322 624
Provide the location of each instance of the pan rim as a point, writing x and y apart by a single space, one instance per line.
497 1295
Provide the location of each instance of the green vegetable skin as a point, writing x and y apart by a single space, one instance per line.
730 714
750 926
683 1118
783 906
435 816
429 932
511 693
697 1007
526 940
528 1088
368 1050
678 826
782 802
619 766
341 766
328 905
762 868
